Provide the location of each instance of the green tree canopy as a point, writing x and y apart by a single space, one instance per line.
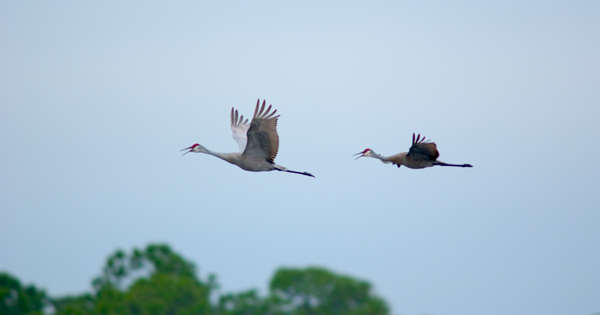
155 280
244 303
317 291
16 299
158 281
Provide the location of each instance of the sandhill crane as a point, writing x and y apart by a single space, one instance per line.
258 142
422 154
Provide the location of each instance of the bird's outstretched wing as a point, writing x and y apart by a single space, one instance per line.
239 128
423 150
263 141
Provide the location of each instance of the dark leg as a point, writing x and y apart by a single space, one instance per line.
301 173
455 165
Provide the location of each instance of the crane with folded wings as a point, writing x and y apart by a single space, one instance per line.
421 154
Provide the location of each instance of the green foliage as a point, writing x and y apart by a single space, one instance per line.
16 299
168 294
75 305
155 280
317 291
243 303
122 269
158 281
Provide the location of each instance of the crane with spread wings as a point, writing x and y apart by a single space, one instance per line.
258 142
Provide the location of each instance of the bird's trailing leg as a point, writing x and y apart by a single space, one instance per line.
455 165
283 169
301 173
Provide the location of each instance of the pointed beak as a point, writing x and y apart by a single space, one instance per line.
190 150
360 154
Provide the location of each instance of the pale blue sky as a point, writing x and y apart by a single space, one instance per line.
96 100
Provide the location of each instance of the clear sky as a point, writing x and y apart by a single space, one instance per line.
97 99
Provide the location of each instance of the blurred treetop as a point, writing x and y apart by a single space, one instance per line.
157 280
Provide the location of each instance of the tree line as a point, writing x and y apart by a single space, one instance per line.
156 280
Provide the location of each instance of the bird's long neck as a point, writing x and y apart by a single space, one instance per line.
384 159
233 158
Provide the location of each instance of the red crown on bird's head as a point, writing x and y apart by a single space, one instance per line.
362 153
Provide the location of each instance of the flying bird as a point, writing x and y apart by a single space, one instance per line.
258 142
422 154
